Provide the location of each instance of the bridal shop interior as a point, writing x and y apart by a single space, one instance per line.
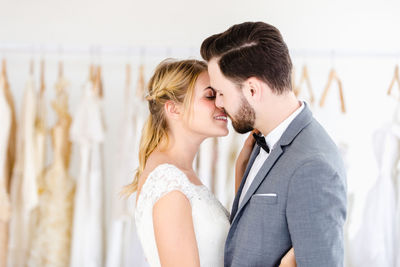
73 77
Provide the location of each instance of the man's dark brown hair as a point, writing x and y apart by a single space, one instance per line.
251 49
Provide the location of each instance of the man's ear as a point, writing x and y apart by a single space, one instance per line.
172 109
253 89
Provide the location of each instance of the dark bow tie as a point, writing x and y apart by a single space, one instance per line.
260 140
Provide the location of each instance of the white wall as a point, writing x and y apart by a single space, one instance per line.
364 35
353 24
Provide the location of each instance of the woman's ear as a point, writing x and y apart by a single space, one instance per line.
172 109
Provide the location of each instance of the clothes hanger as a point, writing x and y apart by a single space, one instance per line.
60 70
140 87
305 78
396 78
93 78
32 67
98 85
3 73
92 75
333 77
61 83
128 80
99 73
128 75
42 81
3 67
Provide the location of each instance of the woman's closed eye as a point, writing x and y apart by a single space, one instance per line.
210 94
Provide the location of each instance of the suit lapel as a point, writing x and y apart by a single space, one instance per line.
295 127
254 153
265 168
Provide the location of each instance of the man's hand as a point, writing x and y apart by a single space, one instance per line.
243 158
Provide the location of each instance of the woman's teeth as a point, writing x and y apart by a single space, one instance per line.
223 118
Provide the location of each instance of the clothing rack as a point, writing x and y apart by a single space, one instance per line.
96 50
165 51
344 53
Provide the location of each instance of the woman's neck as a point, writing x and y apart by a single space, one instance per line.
182 149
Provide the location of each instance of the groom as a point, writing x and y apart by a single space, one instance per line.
293 193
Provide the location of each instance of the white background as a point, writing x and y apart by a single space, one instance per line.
364 36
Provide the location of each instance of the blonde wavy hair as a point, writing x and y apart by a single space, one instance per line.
173 80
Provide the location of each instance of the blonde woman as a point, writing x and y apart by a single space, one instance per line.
179 221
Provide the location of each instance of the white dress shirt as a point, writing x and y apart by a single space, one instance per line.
271 139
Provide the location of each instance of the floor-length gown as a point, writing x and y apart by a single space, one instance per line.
24 188
51 246
87 132
5 131
124 247
210 218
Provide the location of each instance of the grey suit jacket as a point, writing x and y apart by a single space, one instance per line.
297 199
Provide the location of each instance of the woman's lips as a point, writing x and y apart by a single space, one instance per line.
221 117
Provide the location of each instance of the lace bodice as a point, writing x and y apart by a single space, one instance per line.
210 218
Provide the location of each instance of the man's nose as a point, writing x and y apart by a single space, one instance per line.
218 102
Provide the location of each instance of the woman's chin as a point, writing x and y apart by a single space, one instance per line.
216 130
224 132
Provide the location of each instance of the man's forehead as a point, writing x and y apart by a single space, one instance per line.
213 65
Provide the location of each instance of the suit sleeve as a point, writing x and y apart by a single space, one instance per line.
316 212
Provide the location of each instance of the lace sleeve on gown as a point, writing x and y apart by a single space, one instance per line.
162 180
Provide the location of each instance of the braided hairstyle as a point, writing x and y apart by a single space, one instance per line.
173 80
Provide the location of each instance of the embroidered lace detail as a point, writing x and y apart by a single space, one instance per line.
163 179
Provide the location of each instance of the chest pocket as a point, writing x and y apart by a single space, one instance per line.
268 199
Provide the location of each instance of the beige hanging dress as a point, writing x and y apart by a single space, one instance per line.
40 137
6 121
51 245
24 189
11 151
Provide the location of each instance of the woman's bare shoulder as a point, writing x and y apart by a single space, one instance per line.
155 159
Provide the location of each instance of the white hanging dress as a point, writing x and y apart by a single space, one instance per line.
87 132
124 248
375 241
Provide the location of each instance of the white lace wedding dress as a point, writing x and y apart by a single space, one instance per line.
210 218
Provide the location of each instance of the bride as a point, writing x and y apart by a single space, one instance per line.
179 221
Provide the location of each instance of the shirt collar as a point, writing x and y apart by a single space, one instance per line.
273 137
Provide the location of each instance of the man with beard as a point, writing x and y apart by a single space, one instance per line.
293 193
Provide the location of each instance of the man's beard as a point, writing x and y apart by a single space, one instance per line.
243 120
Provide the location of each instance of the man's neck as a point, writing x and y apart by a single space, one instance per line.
267 121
